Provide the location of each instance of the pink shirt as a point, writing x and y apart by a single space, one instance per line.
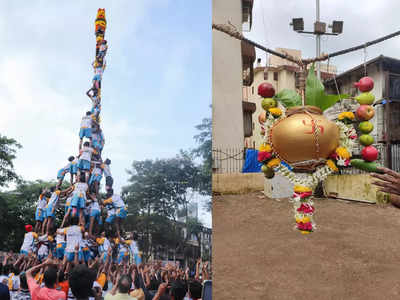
38 293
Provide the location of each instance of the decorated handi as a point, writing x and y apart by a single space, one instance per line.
301 144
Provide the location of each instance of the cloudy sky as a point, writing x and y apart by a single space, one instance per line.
156 87
364 20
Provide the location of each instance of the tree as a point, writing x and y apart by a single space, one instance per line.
204 151
17 209
8 149
157 188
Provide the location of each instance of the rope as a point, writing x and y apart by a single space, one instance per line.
232 31
229 157
303 109
365 59
236 34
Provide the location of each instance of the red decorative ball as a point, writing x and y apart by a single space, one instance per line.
365 84
369 153
263 156
266 90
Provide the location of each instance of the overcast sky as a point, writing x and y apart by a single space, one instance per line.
364 20
155 89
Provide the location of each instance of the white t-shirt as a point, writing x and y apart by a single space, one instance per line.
97 171
105 246
86 122
87 153
42 202
43 250
94 206
117 201
80 189
60 238
74 236
84 243
54 197
28 241
106 170
134 247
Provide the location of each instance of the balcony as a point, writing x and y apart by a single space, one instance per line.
248 58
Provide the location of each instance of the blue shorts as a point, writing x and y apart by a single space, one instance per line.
86 255
39 216
71 256
138 259
104 256
78 202
60 175
23 252
95 213
123 256
84 164
73 169
67 206
85 132
110 219
60 251
121 212
49 212
94 177
96 144
97 77
95 110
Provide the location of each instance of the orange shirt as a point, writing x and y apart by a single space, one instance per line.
64 287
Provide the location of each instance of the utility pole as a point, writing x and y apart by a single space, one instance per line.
319 29
318 41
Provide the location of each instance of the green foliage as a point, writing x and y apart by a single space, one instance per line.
17 208
156 191
288 98
315 92
8 149
204 151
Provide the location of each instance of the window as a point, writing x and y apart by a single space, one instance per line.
297 80
246 19
276 76
265 73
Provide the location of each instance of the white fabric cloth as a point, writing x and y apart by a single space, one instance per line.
74 236
27 244
86 122
87 153
106 170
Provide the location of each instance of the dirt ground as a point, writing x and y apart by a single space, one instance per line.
257 253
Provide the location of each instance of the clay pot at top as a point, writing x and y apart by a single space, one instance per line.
304 135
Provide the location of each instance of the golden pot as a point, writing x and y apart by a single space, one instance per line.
304 135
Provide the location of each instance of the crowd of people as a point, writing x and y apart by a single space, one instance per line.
107 278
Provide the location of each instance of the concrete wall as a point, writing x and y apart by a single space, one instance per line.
278 187
227 114
353 187
237 183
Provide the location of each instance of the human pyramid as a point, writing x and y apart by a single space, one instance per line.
83 236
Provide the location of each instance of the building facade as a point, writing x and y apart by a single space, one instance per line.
385 71
232 69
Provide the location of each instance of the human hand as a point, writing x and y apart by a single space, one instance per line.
162 288
389 181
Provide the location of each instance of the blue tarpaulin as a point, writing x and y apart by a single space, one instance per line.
251 164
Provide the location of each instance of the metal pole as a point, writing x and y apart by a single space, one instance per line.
318 40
